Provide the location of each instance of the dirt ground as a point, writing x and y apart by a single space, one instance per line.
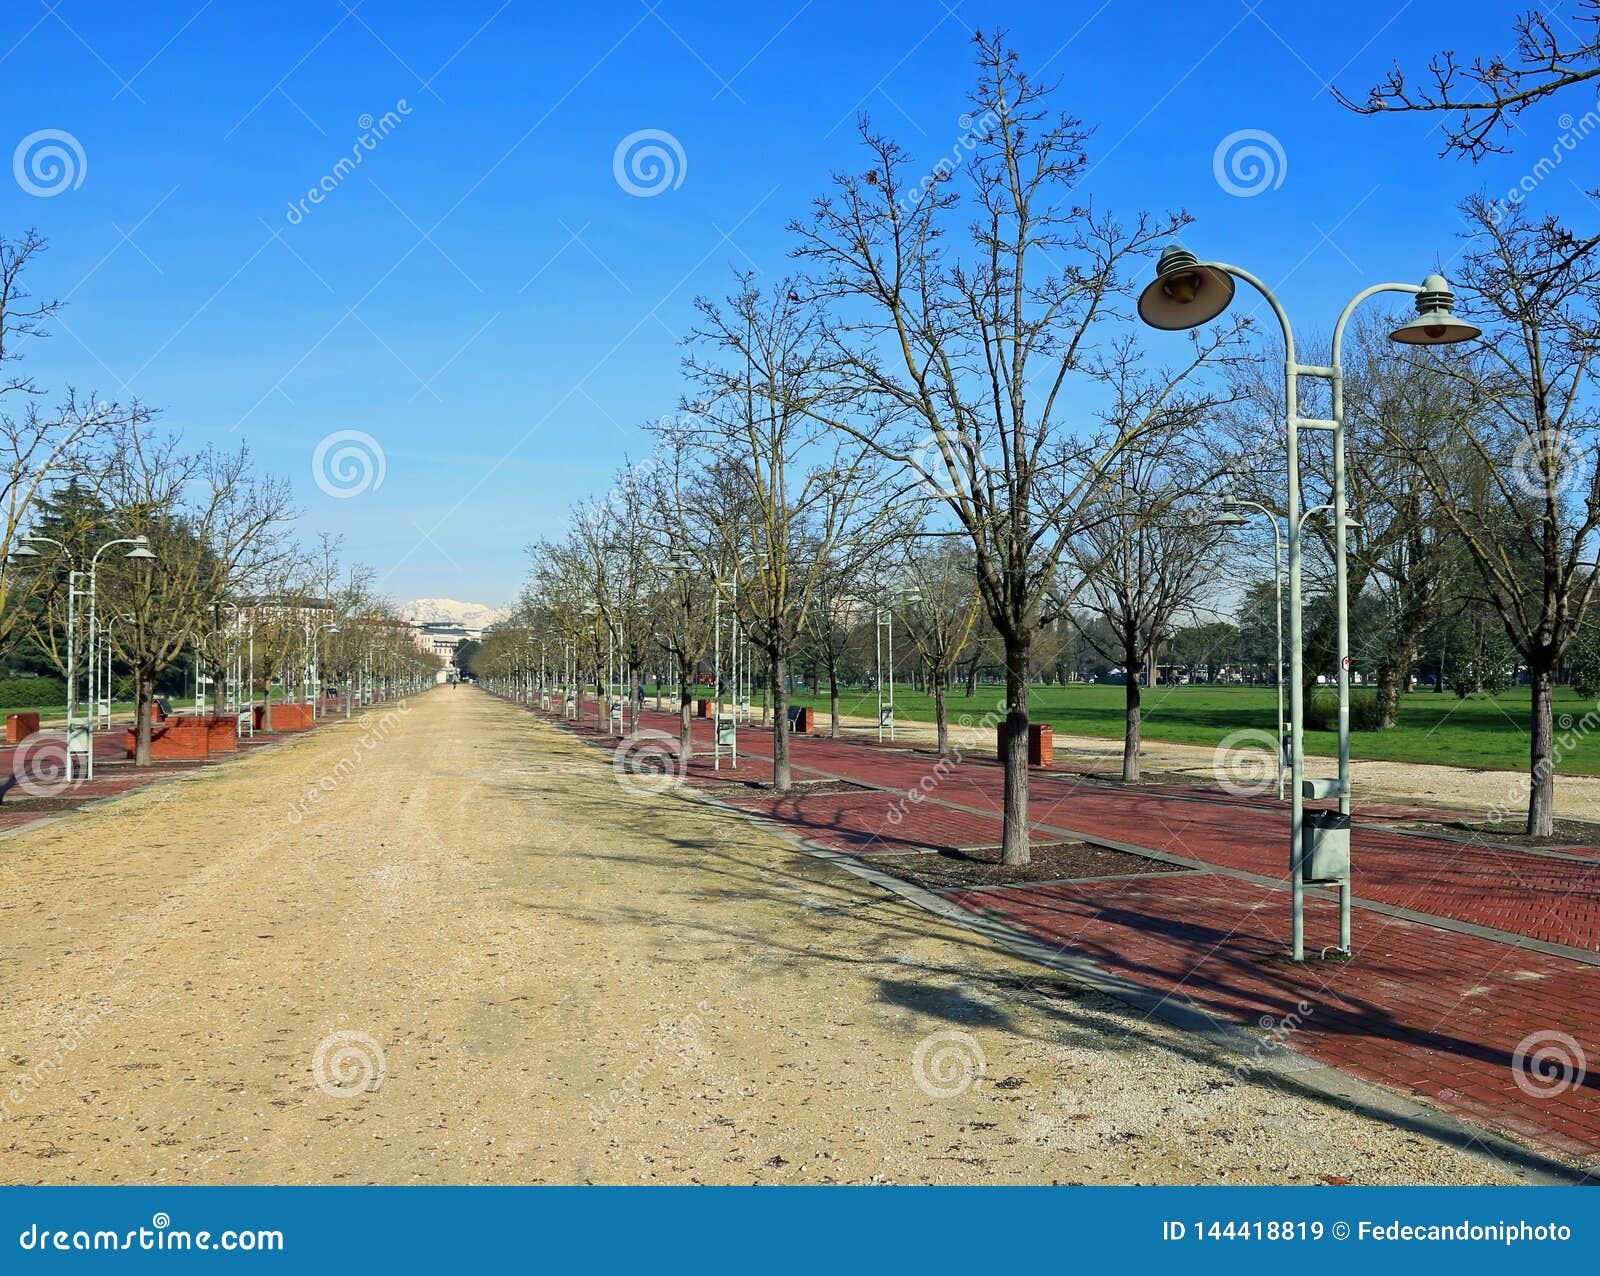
445 946
1577 796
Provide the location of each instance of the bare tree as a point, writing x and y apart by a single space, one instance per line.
1525 501
201 515
782 500
1550 54
1145 562
681 598
832 626
40 446
938 606
968 367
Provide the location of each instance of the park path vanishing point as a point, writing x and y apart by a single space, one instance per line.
443 945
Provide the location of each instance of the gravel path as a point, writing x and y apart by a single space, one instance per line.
445 946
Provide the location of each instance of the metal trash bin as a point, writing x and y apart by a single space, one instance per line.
725 729
1325 847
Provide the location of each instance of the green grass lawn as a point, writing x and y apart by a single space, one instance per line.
1478 732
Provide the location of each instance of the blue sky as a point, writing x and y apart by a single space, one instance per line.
483 297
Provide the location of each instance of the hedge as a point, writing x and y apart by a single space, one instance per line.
31 693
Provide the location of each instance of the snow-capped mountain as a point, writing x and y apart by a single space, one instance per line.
449 611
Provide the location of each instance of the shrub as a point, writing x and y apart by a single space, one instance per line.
1364 715
1322 712
29 693
1585 664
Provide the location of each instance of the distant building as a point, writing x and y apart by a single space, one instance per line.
442 637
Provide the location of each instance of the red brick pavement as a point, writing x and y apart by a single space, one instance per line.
1427 1010
114 774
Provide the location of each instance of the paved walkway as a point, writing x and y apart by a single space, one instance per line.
1476 976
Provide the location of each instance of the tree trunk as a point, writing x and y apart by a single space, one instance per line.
1130 736
833 702
941 717
1541 758
972 678
780 723
1389 678
685 723
1015 845
143 695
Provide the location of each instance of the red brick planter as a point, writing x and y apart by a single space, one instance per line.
285 717
1041 743
171 742
19 726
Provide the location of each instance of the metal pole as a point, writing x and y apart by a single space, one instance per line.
889 634
94 668
1341 528
877 660
72 668
716 681
1297 810
1277 590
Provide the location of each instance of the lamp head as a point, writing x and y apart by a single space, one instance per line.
1436 323
1184 293
1228 518
138 553
24 550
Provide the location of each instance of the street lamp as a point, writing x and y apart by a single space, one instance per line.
314 643
1186 293
80 739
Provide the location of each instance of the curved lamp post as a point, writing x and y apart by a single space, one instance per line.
76 582
1188 292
